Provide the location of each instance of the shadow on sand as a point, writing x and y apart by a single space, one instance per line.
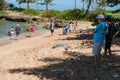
78 67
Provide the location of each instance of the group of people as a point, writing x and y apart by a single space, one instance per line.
17 30
14 31
103 34
67 28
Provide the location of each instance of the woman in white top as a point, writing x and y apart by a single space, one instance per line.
12 31
70 27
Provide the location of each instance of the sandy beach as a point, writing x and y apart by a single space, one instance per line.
35 58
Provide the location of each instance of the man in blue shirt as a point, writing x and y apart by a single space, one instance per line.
99 36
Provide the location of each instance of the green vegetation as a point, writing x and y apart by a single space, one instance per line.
3 12
46 3
52 14
115 15
3 5
32 12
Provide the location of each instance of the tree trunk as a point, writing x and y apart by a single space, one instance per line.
75 4
28 5
88 6
46 6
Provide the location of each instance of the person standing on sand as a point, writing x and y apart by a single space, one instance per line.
76 25
32 30
12 32
109 36
99 36
52 26
17 30
70 27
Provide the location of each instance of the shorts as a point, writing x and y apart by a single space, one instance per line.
52 31
97 48
12 33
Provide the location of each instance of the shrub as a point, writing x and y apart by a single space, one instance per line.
52 14
73 14
31 12
3 5
3 12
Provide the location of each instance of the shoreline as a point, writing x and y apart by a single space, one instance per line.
7 39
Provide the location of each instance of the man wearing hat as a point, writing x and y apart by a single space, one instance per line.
99 36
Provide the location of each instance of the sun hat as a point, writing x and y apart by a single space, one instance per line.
101 16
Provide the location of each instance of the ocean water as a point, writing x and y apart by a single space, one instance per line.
6 25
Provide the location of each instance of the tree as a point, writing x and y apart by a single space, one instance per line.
11 6
75 4
46 3
88 6
3 5
113 3
83 1
27 2
102 3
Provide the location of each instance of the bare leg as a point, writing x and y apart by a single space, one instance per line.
109 51
96 59
105 52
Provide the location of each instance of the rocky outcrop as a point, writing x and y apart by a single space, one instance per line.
32 19
23 18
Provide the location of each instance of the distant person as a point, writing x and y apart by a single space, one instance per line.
12 32
109 36
65 30
32 29
99 37
70 27
76 25
17 30
52 26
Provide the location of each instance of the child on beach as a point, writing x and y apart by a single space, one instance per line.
65 30
12 32
70 27
32 29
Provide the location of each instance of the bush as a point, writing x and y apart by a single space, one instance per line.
52 14
3 12
3 5
66 15
73 14
19 9
31 12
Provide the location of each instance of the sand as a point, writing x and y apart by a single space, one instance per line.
35 59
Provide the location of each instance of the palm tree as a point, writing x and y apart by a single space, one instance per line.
46 3
83 3
102 3
75 4
89 2
27 2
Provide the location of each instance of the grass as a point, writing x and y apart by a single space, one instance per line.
115 15
3 12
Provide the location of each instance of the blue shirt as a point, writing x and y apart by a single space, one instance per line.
100 32
52 25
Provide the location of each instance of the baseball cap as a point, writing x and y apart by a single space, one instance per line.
101 16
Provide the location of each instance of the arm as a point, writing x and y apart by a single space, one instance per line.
96 29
